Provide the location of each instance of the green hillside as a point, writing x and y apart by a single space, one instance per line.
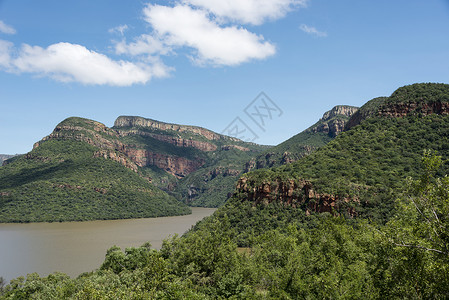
307 141
214 183
218 160
64 180
362 168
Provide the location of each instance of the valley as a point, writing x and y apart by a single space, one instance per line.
353 207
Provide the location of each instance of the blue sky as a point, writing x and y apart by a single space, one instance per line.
202 62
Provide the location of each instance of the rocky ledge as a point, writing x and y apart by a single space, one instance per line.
297 194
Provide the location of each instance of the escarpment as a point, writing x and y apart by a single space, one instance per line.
137 142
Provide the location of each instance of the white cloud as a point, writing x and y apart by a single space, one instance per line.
253 12
184 26
5 50
211 29
143 45
312 30
119 29
4 28
74 63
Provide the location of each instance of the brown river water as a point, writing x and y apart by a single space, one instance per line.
77 247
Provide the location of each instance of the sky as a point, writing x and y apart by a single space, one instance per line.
262 70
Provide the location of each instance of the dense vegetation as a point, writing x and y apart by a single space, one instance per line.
63 181
212 185
313 257
371 161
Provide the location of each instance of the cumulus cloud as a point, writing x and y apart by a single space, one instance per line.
4 28
211 31
253 12
184 26
74 63
312 31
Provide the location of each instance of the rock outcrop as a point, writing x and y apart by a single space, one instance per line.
294 193
334 121
129 121
174 165
4 158
178 141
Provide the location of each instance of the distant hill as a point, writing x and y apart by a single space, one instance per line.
322 132
4 157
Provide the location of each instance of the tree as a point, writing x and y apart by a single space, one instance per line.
423 218
417 264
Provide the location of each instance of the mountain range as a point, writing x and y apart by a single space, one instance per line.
169 165
141 167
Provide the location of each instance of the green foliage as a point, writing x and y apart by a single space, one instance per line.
63 181
370 162
420 93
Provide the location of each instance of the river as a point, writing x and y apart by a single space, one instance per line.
77 247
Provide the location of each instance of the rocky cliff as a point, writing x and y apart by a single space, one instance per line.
292 192
334 121
139 122
136 142
421 99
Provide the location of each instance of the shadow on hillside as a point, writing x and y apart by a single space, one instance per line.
43 172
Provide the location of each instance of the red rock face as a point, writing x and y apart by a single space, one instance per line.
177 166
177 141
292 193
128 155
403 109
400 110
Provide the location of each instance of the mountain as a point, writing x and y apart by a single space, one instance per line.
202 165
213 184
357 173
328 127
4 157
84 170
